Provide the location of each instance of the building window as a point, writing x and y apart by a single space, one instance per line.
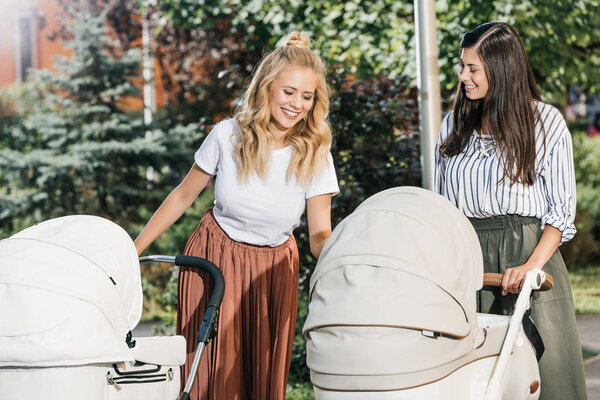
26 45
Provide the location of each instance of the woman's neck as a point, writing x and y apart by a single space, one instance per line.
279 136
484 127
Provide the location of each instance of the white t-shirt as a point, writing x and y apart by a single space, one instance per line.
259 212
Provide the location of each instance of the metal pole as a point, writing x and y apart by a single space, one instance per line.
147 72
428 84
149 92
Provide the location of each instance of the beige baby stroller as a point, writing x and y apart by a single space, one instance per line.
70 295
392 312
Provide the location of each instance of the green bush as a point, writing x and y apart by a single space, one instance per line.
584 248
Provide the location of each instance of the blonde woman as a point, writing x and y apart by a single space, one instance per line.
271 161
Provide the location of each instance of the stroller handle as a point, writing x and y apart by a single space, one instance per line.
208 328
200 263
495 279
214 272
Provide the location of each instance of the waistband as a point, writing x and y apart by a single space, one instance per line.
211 225
501 222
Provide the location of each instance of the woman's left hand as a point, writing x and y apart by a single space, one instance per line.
318 214
513 279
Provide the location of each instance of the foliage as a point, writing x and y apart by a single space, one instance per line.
202 65
300 391
207 49
71 147
367 38
562 39
376 143
584 248
13 134
364 38
585 283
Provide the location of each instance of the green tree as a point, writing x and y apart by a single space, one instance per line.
370 37
562 39
76 150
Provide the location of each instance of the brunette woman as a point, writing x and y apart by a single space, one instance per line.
505 159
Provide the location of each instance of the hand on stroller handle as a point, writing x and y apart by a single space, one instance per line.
495 279
534 280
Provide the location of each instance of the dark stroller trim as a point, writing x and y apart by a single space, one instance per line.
208 328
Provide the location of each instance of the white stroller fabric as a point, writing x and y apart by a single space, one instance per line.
393 292
70 291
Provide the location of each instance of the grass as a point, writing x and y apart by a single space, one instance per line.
585 283
587 354
300 391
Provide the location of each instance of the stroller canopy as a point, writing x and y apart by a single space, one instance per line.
405 258
70 291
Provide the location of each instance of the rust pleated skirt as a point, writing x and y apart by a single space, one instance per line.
250 356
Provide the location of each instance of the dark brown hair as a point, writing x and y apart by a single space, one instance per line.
508 107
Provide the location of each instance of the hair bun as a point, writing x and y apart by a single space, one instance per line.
299 40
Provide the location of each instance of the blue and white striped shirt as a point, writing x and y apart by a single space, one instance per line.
471 179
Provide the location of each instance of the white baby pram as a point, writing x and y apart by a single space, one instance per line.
70 295
392 312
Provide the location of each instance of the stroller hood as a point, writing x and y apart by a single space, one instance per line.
406 257
70 291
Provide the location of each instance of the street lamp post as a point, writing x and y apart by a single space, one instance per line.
428 86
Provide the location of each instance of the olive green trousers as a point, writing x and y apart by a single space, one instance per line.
508 241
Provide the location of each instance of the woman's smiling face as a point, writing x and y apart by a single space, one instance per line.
291 97
473 74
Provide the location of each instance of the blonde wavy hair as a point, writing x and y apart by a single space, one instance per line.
310 138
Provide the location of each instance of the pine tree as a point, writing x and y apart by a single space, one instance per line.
83 154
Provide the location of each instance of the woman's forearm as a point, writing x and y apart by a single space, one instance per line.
549 242
170 210
317 242
318 215
176 203
514 277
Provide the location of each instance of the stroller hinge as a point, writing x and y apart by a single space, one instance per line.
111 381
129 340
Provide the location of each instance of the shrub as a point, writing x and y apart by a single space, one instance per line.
584 248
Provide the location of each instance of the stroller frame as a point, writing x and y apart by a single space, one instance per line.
76 286
533 281
391 319
208 328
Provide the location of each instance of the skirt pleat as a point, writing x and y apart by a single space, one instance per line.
251 354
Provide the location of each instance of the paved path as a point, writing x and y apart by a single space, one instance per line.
589 332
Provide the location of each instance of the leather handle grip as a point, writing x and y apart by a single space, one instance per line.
495 279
